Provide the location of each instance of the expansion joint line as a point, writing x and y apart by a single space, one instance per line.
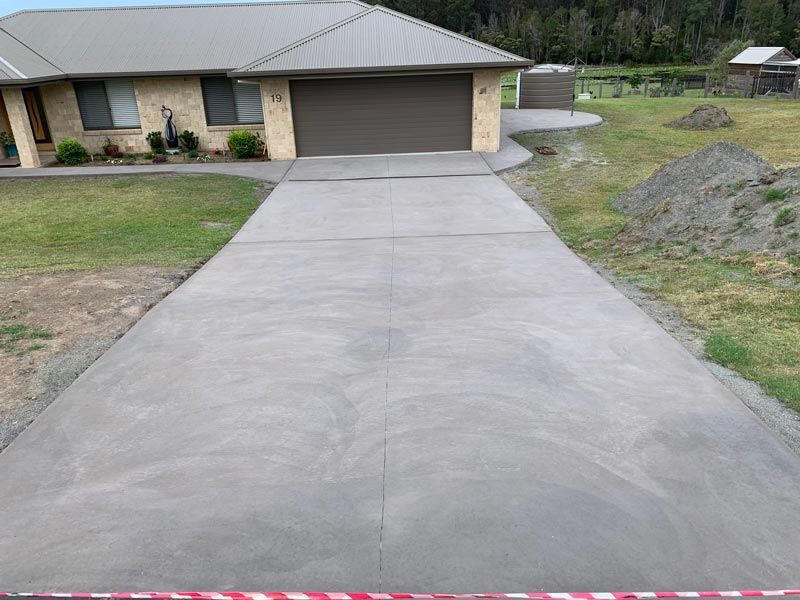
386 392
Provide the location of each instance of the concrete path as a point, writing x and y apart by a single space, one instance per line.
405 383
510 155
272 171
512 120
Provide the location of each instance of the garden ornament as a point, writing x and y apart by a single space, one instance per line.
170 131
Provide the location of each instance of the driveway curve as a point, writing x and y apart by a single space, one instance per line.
397 378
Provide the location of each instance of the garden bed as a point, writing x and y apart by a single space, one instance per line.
144 158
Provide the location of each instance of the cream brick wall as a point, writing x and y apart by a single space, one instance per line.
278 118
21 127
182 94
486 110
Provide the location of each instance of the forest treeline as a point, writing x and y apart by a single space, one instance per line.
614 31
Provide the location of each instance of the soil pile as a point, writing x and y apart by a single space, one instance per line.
723 199
717 164
705 116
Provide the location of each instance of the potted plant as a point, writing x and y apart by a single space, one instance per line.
7 146
110 148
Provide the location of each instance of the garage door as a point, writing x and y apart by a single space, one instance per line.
382 115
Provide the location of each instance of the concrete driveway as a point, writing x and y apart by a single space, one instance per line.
396 377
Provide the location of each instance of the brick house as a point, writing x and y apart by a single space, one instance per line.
311 77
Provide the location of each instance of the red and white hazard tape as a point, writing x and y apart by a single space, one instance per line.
382 596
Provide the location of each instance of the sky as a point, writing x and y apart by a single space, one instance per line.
10 6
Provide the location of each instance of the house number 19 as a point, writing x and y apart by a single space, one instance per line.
277 98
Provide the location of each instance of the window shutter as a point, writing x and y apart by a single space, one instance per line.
93 105
247 97
218 101
122 103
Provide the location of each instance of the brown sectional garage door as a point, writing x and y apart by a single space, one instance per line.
382 115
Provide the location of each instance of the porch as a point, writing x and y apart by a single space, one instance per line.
22 114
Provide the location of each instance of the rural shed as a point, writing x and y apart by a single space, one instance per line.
759 60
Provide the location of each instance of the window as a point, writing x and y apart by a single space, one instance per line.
229 102
109 104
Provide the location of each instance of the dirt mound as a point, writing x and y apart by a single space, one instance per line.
705 116
716 164
721 200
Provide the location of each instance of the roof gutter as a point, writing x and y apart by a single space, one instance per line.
119 75
511 65
358 71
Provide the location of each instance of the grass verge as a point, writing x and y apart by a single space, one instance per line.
55 225
749 306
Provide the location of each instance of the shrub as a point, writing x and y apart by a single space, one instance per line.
776 194
192 153
6 138
784 216
70 152
188 140
117 154
159 158
156 141
636 80
243 143
149 155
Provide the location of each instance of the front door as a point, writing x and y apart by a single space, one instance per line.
41 132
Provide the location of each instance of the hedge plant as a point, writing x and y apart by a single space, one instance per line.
243 143
70 152
188 140
156 141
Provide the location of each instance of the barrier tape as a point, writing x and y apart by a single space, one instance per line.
382 596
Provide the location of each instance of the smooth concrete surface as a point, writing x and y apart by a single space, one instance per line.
515 120
372 208
272 171
512 154
382 166
397 399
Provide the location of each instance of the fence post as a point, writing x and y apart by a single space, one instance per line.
600 89
646 85
749 84
796 90
583 82
706 86
519 77
674 88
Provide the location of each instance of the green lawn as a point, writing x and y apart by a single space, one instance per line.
55 225
751 322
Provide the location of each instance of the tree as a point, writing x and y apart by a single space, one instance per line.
719 69
459 13
617 31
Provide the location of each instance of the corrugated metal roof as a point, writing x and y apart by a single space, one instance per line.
161 39
381 39
783 63
17 61
756 55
